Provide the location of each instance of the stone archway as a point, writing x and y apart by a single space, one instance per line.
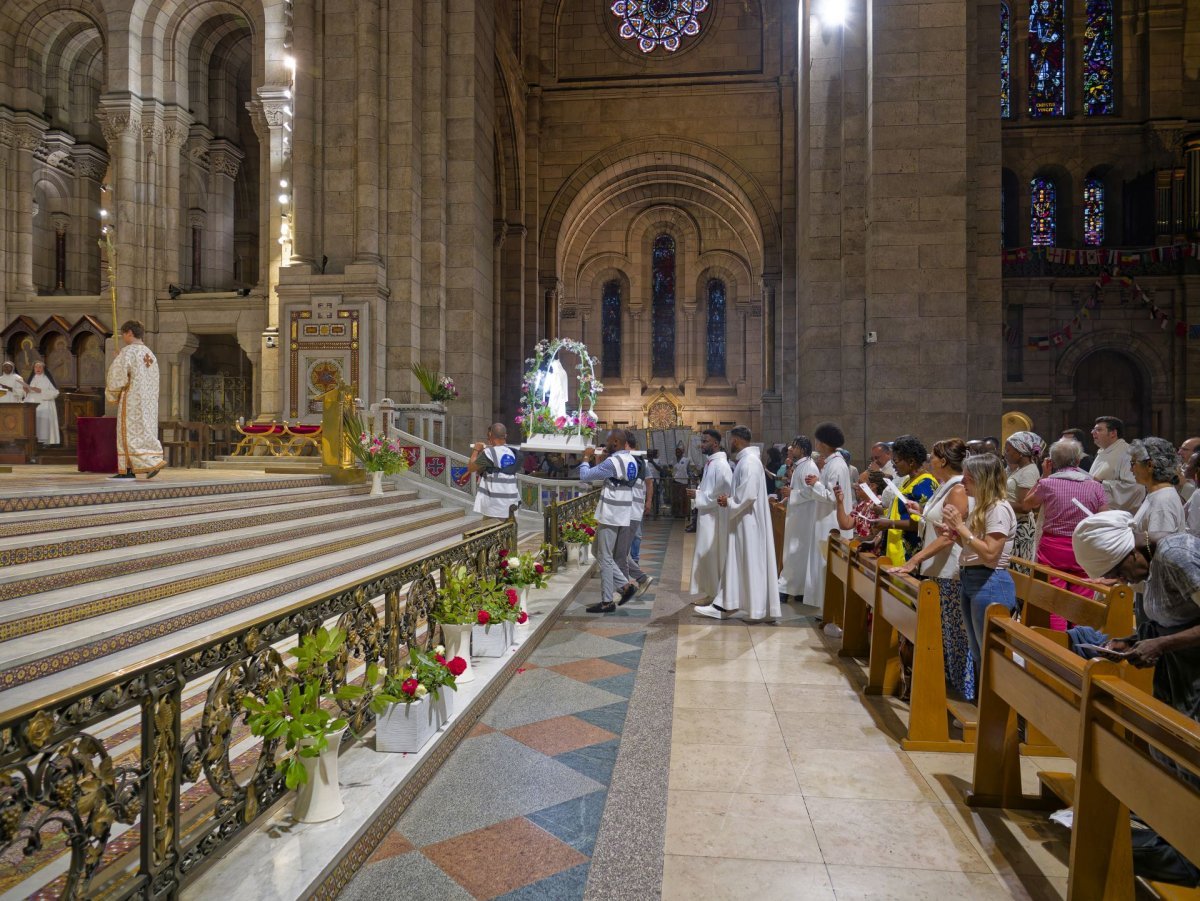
1109 382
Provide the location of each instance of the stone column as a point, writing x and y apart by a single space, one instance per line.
83 255
61 223
499 232
120 118
197 220
27 137
693 371
270 113
176 123
224 161
367 175
7 210
1191 158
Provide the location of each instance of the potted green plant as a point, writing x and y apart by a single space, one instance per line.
415 701
378 454
456 611
440 388
496 619
523 571
311 733
578 535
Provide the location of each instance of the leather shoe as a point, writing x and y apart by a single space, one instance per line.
602 607
627 594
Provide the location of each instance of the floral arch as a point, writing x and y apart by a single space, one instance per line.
543 417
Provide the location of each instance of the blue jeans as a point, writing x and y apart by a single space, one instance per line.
982 587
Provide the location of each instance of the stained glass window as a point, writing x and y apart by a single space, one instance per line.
715 361
610 329
1098 91
1047 52
662 281
1093 212
1005 62
1042 210
659 23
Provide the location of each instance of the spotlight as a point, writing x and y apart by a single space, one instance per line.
834 12
174 291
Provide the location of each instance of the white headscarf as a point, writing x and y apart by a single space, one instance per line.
1102 541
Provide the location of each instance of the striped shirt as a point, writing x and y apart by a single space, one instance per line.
1060 516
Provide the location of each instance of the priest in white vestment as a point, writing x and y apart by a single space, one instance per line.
712 520
834 473
43 391
800 547
132 384
749 583
12 384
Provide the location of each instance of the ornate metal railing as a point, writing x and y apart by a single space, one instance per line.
561 512
141 809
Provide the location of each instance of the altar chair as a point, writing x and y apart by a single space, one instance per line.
299 438
266 435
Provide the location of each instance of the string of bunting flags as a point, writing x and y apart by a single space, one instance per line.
1113 261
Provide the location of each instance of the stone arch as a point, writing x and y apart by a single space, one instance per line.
657 159
1144 354
40 27
509 153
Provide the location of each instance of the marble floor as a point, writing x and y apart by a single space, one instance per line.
652 753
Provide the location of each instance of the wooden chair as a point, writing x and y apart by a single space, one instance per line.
175 443
199 440
1121 726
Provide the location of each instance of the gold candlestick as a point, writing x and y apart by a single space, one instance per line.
106 242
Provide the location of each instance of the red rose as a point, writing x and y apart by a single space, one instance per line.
512 596
591 533
409 687
484 617
503 552
440 659
504 564
538 568
457 666
523 618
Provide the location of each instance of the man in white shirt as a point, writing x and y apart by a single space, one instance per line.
1112 467
712 520
1186 486
881 461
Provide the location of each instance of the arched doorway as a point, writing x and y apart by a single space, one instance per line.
1109 383
221 381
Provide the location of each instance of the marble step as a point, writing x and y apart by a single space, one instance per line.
64 495
62 572
23 618
67 656
273 511
18 524
262 464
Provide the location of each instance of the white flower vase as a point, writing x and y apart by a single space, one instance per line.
377 483
490 640
406 728
457 638
320 797
524 595
574 553
585 553
444 704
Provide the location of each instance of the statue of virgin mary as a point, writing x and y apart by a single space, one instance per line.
554 388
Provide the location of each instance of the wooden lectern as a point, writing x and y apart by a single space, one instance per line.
18 433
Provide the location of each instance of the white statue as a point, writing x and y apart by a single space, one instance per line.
554 388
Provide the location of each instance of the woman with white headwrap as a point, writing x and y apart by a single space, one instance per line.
1023 455
1168 638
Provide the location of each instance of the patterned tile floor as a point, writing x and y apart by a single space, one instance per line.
515 812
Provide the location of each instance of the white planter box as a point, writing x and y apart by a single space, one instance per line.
408 727
491 640
566 444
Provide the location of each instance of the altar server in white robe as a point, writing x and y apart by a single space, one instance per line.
132 384
43 391
800 552
12 384
834 472
749 583
712 520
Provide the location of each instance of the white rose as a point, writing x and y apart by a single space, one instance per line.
422 691
440 649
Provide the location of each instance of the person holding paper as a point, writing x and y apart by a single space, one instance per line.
834 473
909 455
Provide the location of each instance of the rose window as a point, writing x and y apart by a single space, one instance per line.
659 23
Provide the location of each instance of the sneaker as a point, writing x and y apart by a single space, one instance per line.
602 607
690 529
713 611
627 594
833 630
644 585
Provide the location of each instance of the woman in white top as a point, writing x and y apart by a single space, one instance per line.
1023 454
1155 467
986 537
43 390
938 560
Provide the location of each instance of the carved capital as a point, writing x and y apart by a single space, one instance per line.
499 232
61 222
224 158
27 138
116 123
197 218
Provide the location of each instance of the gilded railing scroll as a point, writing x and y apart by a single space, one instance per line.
133 782
558 514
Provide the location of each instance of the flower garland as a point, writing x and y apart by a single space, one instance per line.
534 415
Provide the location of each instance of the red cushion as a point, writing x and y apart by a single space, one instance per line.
305 429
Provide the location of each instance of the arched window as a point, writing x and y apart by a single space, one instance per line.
1047 52
1093 212
1042 212
610 329
715 338
1098 92
1005 62
662 280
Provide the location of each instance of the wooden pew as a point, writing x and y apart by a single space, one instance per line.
838 554
859 599
1025 673
1111 611
1119 725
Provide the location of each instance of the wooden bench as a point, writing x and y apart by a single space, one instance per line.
839 552
858 601
1025 673
1119 725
